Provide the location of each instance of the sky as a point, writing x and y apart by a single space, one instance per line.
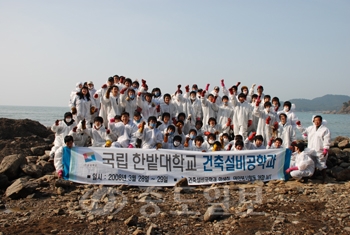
295 49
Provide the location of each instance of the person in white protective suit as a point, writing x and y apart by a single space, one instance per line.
239 145
266 122
99 94
234 88
128 101
100 137
275 105
78 134
148 107
199 128
96 102
212 128
126 132
319 140
225 142
175 144
195 108
198 146
180 103
258 142
209 107
61 128
72 95
225 115
157 96
167 106
165 122
242 117
190 139
209 144
303 165
288 109
186 122
151 137
274 143
82 106
217 97
61 166
112 102
285 131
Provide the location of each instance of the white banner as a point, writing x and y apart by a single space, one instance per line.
150 167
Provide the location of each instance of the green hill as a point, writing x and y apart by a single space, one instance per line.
324 103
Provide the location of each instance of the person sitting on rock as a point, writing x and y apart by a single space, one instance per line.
62 161
100 137
61 128
303 165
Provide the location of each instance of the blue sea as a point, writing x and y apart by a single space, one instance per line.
337 123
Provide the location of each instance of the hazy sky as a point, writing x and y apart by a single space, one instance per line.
295 49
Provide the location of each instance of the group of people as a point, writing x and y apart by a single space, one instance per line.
126 114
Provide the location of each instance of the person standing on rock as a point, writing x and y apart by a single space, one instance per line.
61 128
61 162
319 140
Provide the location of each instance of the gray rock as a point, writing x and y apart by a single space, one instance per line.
344 164
343 144
213 212
346 150
182 183
131 221
10 165
47 167
38 151
342 175
32 159
44 157
32 170
334 151
21 188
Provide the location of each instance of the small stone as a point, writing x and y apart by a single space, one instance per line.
60 191
137 232
152 229
347 229
91 217
213 212
131 221
54 231
59 211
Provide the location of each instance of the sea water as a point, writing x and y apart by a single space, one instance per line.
337 123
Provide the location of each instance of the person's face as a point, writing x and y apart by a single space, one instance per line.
198 143
127 84
241 99
267 108
253 99
179 124
275 103
211 98
317 121
115 91
131 93
283 119
258 143
167 99
135 86
116 80
69 144
266 100
286 108
109 83
239 147
97 124
90 86
166 119
80 86
182 118
125 119
260 90
148 98
198 126
225 101
278 144
212 123
245 91
193 96
136 118
217 90
152 124
84 91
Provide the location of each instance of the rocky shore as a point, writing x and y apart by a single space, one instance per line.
34 201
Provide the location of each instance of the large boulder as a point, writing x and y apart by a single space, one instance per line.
4 182
10 165
21 188
343 144
39 150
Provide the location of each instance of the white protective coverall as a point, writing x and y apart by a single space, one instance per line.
113 106
224 113
83 107
148 108
129 105
168 108
74 93
181 104
318 139
209 109
60 132
150 137
126 134
242 113
263 128
98 137
305 164
287 133
195 109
